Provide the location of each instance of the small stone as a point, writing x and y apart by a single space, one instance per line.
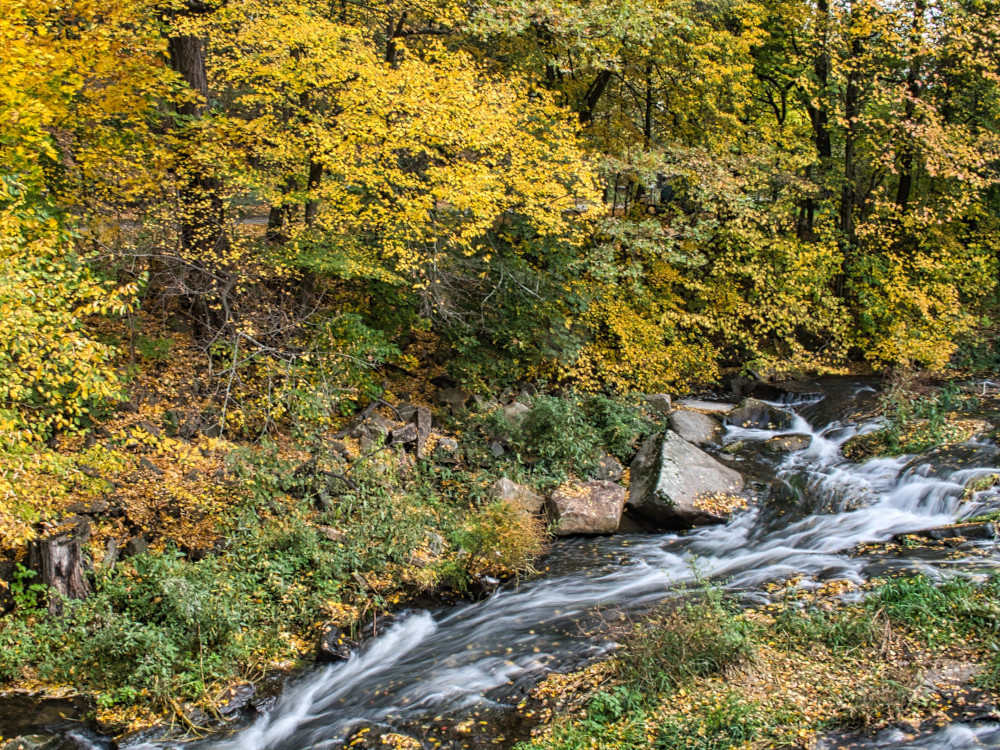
497 449
332 534
137 545
405 434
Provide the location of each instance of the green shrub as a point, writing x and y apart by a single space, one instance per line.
618 422
563 436
698 637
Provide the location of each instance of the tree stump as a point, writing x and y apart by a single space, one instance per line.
58 560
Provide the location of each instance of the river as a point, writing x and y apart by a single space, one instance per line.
433 668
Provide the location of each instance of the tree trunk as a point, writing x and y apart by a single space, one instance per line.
852 110
59 563
312 205
647 118
203 235
907 155
593 95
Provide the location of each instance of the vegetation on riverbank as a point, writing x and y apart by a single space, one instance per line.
703 673
919 416
214 562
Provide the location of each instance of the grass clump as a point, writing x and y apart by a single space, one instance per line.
702 636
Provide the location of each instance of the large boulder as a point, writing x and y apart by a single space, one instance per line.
587 508
696 427
759 415
677 485
521 497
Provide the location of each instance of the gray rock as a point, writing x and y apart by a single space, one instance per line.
373 427
151 428
95 508
516 412
137 545
609 469
446 451
484 405
659 402
588 508
407 412
979 531
32 742
405 434
695 427
147 465
454 398
709 407
111 556
759 415
89 471
237 699
423 418
672 479
497 449
521 497
331 533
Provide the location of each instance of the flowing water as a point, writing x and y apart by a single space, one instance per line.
431 669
